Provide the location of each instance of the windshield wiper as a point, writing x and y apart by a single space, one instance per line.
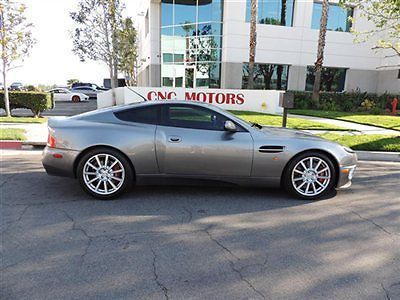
256 125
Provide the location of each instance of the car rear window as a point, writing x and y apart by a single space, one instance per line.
145 115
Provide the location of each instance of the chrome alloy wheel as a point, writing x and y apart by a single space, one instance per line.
311 176
103 174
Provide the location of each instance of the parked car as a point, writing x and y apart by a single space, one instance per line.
87 90
64 94
108 150
16 86
93 85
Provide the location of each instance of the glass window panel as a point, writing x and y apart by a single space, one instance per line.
192 117
179 58
168 58
267 76
167 81
210 10
338 17
167 31
273 12
209 29
178 81
185 11
146 115
166 12
209 55
185 30
332 79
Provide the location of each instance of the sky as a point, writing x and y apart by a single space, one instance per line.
51 60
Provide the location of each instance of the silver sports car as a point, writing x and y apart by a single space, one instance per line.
109 150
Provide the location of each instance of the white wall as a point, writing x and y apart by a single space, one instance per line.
248 100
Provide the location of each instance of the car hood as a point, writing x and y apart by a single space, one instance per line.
289 133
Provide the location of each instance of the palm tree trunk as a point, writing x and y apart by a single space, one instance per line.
320 53
6 98
253 43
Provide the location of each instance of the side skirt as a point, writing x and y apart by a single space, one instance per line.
169 179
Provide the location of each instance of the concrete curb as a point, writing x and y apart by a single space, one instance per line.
378 156
15 145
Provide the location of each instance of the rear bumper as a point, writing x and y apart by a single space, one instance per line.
59 162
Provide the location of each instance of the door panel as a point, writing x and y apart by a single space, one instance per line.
187 151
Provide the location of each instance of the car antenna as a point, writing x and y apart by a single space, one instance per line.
137 93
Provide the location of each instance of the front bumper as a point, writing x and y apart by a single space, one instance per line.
346 171
59 162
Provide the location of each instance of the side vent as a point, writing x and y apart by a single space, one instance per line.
271 149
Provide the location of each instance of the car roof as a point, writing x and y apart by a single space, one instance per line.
83 87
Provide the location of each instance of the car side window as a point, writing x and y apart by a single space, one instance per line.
145 115
195 117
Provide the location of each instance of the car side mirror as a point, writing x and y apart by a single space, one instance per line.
230 126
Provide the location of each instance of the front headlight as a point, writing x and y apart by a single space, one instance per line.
347 149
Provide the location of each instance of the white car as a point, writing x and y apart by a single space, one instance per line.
64 94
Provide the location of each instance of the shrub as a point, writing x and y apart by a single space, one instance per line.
37 102
347 101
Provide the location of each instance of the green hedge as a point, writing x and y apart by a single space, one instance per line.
346 101
35 101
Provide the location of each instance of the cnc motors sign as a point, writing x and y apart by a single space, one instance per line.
252 100
221 97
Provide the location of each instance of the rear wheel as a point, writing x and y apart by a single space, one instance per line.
76 99
310 176
104 173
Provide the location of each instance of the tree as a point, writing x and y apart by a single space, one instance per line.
96 34
127 51
70 82
15 38
385 15
253 43
320 53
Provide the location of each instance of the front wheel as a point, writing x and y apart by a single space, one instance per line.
76 99
310 176
104 173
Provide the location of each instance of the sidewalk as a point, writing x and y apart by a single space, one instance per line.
35 133
363 129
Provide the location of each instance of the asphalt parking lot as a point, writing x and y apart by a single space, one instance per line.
197 242
61 108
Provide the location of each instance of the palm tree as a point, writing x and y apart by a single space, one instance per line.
320 53
253 43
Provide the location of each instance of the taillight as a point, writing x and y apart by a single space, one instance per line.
51 141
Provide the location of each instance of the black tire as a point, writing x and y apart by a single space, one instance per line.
128 179
288 183
76 99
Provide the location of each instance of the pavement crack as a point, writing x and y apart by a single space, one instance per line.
156 277
238 271
189 213
10 223
89 238
371 221
207 231
8 179
386 292
242 278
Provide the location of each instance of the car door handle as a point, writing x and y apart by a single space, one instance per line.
174 139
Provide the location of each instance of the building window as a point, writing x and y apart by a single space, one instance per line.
273 12
267 76
338 17
332 79
191 36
